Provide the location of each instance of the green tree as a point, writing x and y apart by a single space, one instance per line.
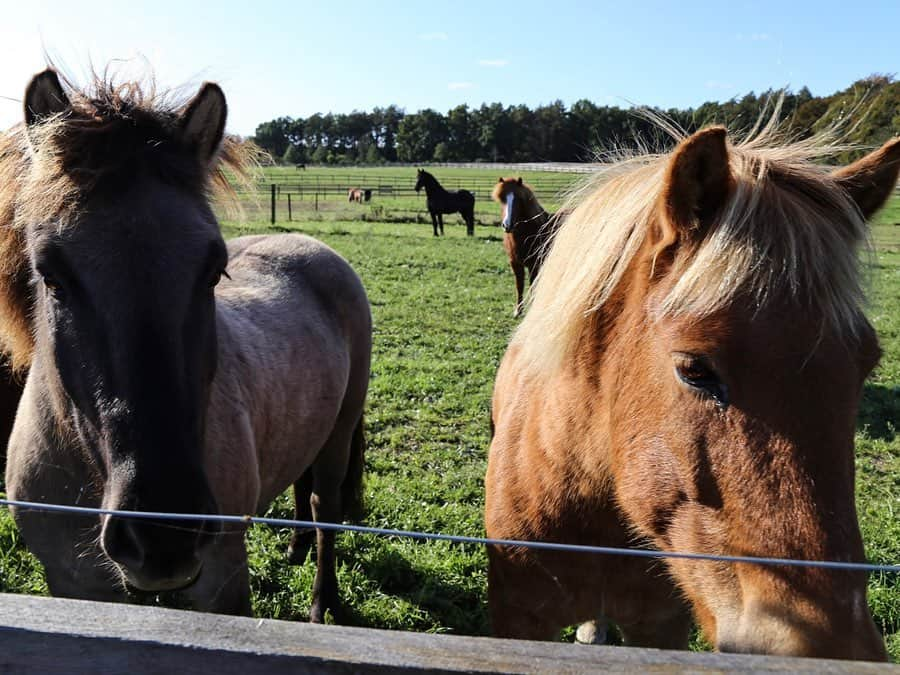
494 130
372 155
442 152
419 134
462 143
320 155
294 155
273 136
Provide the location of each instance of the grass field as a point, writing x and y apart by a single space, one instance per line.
442 311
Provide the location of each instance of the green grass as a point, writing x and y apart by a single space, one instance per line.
442 317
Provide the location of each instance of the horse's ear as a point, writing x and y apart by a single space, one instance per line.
500 180
696 185
869 180
520 180
44 97
203 121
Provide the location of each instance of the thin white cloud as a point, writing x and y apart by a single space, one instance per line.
460 85
433 37
754 37
493 63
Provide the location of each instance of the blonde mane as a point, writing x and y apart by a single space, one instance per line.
111 131
788 230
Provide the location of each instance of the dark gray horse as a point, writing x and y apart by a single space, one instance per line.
152 386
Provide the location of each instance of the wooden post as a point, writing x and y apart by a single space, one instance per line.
317 199
289 208
273 203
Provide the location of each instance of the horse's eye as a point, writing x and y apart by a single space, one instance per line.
53 287
696 372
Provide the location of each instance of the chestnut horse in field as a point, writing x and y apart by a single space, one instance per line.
687 377
527 230
167 371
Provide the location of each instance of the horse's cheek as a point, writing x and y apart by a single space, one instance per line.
651 488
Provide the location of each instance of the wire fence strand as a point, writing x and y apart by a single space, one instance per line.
453 538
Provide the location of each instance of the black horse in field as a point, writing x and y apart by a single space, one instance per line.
440 201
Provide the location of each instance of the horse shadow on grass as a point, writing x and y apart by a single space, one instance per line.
454 607
879 412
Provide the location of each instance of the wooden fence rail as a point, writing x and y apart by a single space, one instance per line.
47 635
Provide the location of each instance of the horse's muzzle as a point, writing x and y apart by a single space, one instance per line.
155 556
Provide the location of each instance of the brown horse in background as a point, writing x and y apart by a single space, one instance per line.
355 195
167 371
527 229
688 376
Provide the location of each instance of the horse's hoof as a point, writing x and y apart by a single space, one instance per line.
591 633
517 312
321 612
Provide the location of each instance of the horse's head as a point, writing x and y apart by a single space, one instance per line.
126 254
515 198
421 175
728 343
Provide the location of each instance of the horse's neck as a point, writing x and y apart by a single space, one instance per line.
433 188
535 216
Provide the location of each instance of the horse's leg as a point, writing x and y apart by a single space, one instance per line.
434 223
469 217
329 472
302 540
519 271
224 584
441 222
518 602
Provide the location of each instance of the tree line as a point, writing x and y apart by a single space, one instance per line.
497 133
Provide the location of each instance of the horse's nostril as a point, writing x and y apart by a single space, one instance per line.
122 544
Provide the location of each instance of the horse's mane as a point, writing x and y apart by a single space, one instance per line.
113 132
788 230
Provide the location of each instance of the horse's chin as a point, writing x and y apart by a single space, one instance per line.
137 585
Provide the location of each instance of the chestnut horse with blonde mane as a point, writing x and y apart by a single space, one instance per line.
527 231
167 371
687 377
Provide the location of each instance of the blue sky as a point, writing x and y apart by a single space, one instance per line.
296 58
